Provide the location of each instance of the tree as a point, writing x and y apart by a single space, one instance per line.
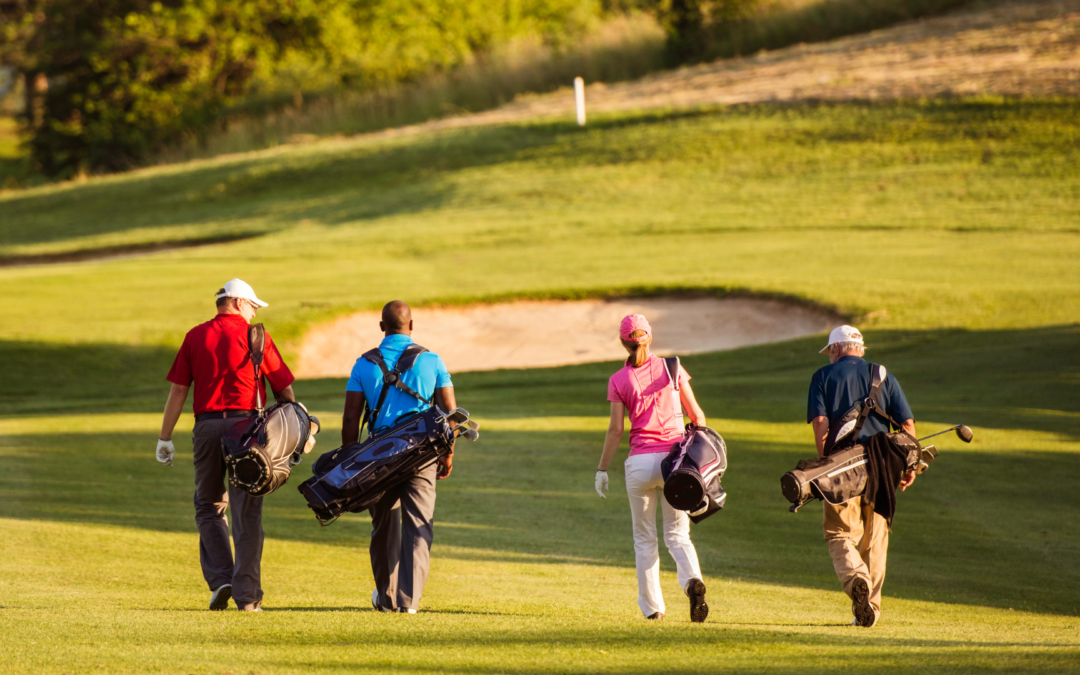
115 79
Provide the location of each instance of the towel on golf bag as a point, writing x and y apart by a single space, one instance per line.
692 473
846 474
888 457
354 477
261 451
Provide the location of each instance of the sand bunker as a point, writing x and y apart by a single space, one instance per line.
535 334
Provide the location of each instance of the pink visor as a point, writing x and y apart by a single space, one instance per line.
631 323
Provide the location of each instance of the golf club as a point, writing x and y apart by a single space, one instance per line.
962 432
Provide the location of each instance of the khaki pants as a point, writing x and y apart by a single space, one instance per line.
858 540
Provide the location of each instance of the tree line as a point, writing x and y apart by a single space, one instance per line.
107 82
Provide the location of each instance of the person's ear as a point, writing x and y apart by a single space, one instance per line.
382 327
410 325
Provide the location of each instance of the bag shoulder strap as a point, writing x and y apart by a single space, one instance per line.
877 378
392 376
256 347
671 364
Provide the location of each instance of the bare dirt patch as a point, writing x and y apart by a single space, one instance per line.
1016 48
533 334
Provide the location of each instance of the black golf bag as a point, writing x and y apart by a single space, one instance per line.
354 477
842 475
692 473
261 451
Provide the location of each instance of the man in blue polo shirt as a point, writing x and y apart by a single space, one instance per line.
401 521
858 538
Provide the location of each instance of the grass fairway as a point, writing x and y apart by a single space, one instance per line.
956 224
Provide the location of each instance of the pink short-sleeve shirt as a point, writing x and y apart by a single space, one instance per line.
647 394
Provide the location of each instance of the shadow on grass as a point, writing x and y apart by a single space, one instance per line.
982 527
335 184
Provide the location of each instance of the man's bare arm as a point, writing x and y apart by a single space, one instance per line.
821 432
173 408
285 395
350 417
445 399
909 477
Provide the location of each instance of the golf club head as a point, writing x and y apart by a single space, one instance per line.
472 424
472 434
964 433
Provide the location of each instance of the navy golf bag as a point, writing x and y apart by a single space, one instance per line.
692 473
354 477
261 451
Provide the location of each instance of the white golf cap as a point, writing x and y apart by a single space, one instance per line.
238 288
843 334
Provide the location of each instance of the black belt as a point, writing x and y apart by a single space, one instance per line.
223 414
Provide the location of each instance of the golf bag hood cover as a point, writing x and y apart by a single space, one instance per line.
261 451
692 473
354 477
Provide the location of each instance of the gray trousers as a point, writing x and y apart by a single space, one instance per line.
211 500
401 536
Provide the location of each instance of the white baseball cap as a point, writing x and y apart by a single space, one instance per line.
238 288
843 334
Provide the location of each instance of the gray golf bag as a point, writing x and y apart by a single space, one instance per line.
261 451
692 473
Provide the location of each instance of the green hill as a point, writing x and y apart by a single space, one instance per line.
947 229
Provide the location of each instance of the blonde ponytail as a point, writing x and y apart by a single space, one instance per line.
639 351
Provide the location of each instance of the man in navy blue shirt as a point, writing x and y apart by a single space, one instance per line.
401 521
858 538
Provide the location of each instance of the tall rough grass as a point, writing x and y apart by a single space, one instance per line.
621 49
799 21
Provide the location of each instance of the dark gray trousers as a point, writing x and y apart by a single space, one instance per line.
211 500
401 536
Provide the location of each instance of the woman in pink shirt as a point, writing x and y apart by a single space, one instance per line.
643 390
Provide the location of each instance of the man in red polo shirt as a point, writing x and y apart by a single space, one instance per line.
216 359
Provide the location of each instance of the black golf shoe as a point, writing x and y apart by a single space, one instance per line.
655 616
699 610
865 615
219 598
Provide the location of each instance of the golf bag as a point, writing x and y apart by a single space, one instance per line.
842 475
354 477
692 473
260 451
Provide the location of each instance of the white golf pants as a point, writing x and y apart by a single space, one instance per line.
645 488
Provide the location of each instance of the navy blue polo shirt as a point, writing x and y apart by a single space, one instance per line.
839 386
427 374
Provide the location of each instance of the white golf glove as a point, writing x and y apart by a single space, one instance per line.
165 452
601 483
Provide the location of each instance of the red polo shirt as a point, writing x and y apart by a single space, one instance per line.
215 356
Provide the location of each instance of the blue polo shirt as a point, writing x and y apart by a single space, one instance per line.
837 387
427 374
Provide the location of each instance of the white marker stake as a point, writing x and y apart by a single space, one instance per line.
579 100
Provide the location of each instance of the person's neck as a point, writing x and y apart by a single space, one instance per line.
397 332
228 311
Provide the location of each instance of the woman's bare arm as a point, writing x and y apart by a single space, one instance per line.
690 405
614 435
